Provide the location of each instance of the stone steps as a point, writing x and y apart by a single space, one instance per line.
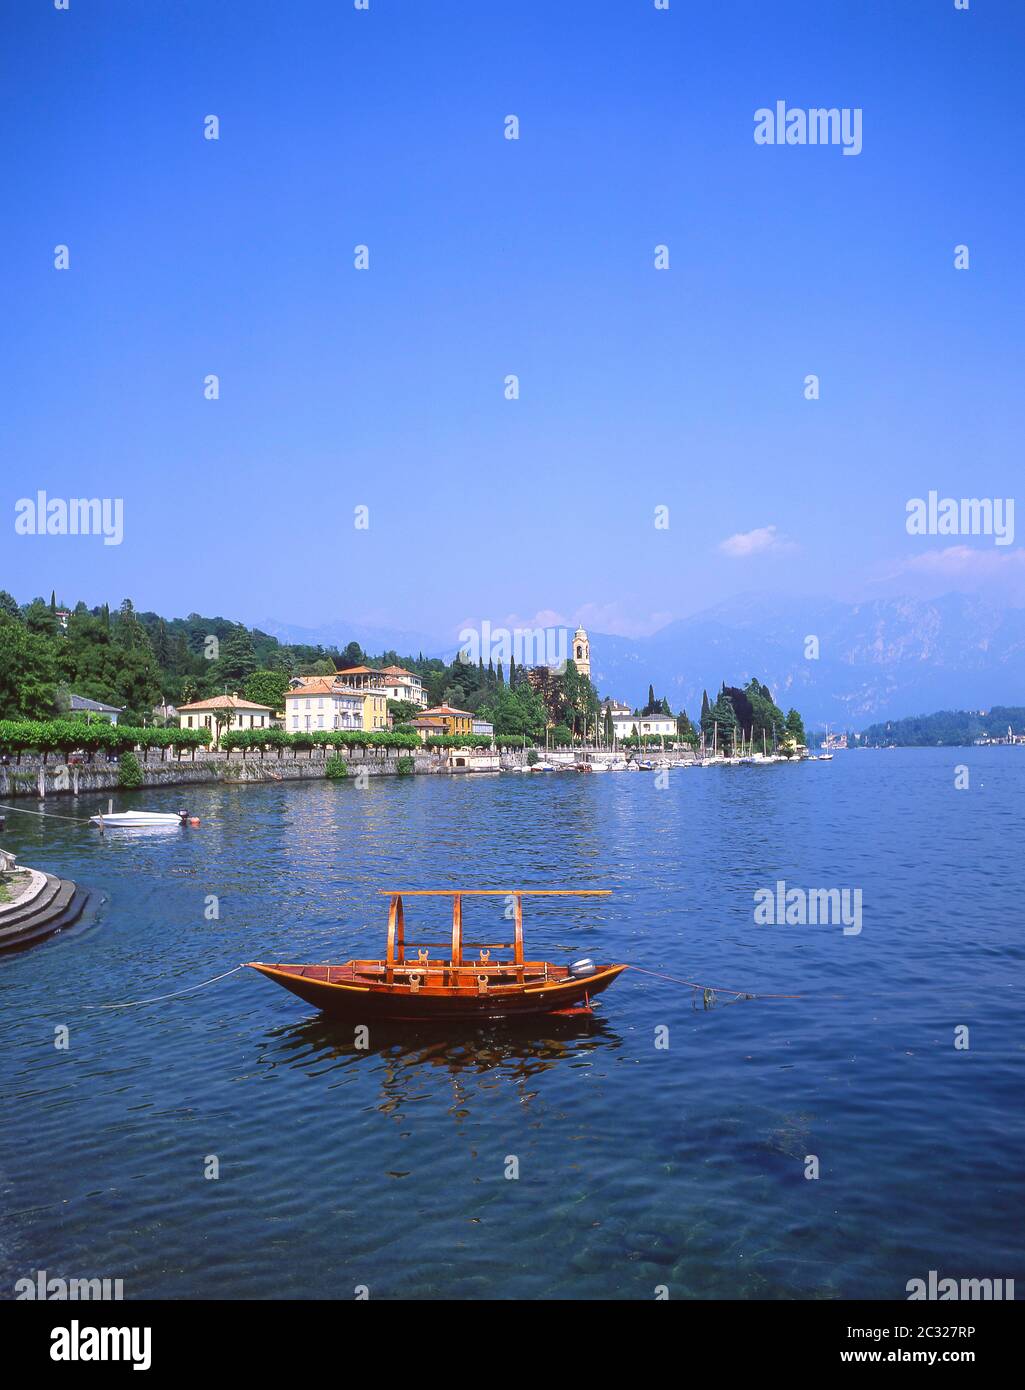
28 907
57 905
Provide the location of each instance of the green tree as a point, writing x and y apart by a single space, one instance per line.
237 659
720 723
97 665
9 606
28 673
685 729
39 619
129 633
223 717
267 688
129 773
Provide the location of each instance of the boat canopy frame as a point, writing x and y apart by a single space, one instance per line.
397 943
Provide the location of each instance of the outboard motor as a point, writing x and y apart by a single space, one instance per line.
581 968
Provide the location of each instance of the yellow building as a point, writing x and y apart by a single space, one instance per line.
368 683
456 721
429 728
375 709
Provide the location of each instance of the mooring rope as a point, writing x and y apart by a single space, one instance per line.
157 998
54 815
714 989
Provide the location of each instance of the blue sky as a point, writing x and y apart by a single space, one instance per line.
384 388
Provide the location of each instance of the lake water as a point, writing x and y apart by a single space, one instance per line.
639 1166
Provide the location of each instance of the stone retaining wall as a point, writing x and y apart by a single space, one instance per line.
32 779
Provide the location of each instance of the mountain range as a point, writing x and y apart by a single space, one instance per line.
877 660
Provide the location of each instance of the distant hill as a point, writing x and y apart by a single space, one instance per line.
949 728
876 660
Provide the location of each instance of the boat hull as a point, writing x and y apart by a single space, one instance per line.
136 820
397 1002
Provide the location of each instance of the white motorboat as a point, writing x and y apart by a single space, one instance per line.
543 767
136 820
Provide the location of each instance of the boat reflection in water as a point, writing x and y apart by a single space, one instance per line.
407 1059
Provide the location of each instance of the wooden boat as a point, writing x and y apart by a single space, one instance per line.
423 988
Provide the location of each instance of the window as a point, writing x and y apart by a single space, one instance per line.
295 721
190 722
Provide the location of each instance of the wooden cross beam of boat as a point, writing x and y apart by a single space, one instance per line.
396 945
422 988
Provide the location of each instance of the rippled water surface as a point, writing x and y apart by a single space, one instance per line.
639 1166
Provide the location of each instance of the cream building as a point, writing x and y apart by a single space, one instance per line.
624 723
245 715
317 702
401 684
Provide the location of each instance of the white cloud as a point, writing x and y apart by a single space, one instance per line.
997 575
963 562
764 540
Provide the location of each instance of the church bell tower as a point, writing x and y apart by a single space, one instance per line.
582 653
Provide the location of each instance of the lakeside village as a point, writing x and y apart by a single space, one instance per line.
91 689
